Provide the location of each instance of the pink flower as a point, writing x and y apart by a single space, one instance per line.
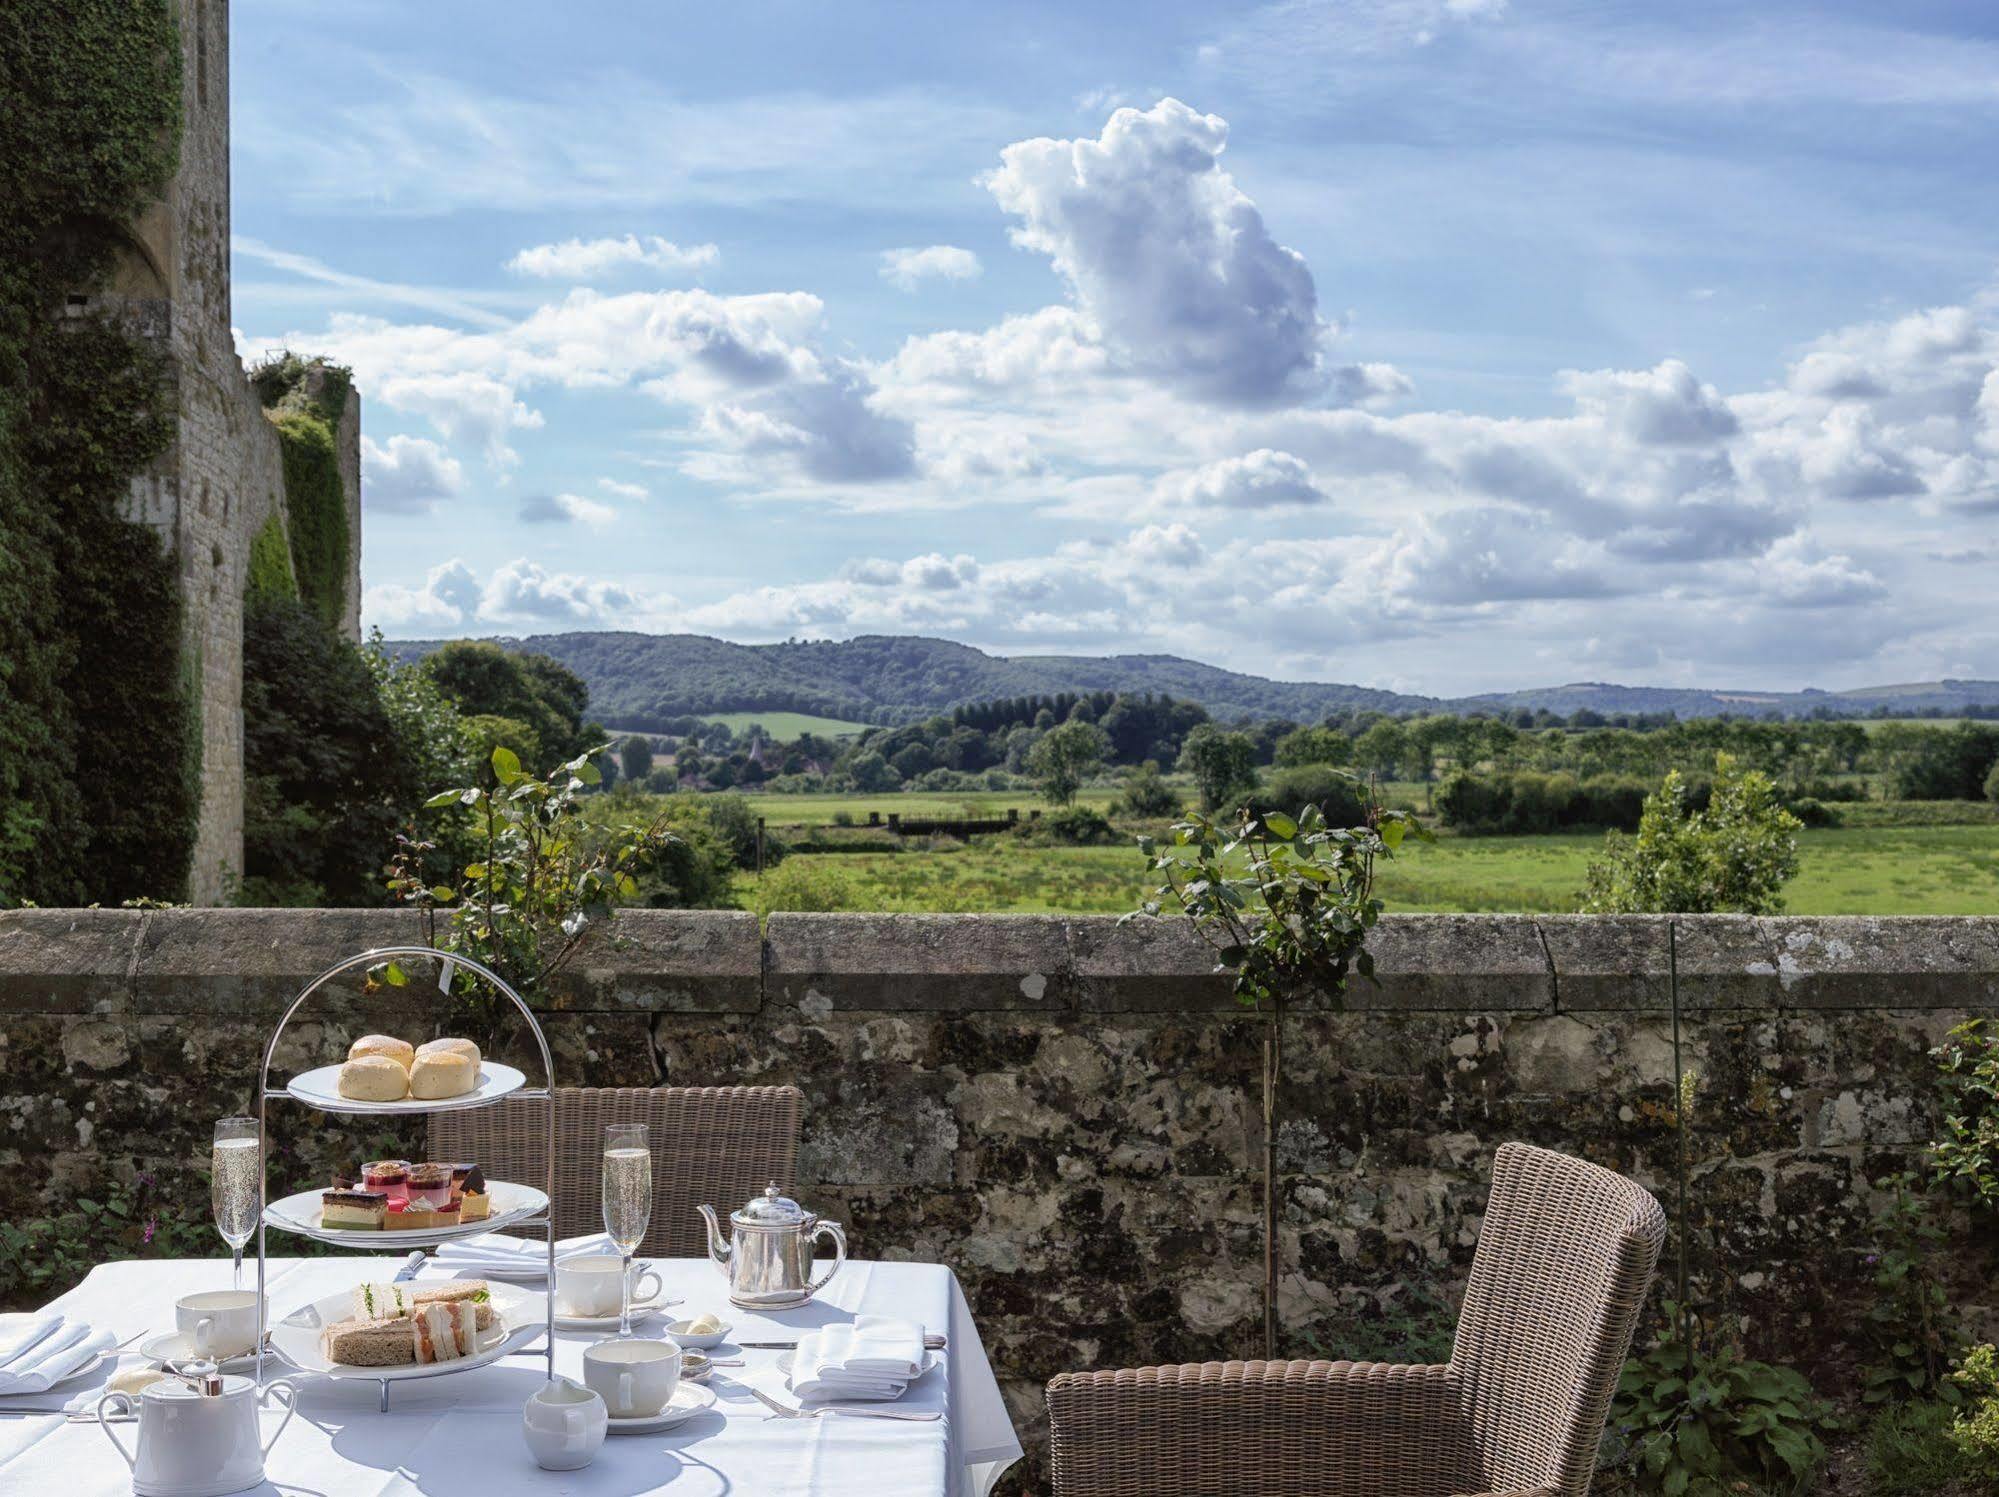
152 1226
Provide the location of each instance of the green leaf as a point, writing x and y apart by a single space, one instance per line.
394 975
1281 825
442 798
506 764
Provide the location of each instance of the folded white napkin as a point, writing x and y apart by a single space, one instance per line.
20 1331
515 1257
874 1356
52 1359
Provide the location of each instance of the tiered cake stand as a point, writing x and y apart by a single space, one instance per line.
544 1219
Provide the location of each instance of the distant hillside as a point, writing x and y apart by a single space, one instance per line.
638 680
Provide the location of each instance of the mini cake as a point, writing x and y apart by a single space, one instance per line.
430 1186
353 1210
441 1074
374 1078
397 1050
390 1176
468 1184
451 1045
409 1216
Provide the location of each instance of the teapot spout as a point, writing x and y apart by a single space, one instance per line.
719 1247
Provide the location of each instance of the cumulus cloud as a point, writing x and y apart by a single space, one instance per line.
524 590
521 592
407 475
1166 256
448 598
1262 479
619 489
1664 406
583 259
567 509
909 268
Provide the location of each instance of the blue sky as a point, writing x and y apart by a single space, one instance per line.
1440 344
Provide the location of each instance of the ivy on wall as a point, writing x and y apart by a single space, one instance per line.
268 578
304 399
95 718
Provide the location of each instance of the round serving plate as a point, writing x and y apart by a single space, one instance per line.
519 1317
321 1088
511 1204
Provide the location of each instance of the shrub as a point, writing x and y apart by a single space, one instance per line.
1975 1429
1077 826
1337 794
1992 784
806 886
1909 1324
1527 802
736 824
1735 855
1146 795
1910 1453
1967 1156
843 818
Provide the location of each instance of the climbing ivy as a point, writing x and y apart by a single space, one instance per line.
304 399
268 578
94 716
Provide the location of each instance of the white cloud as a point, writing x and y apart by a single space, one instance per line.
908 268
523 590
519 593
407 474
619 489
567 509
1262 479
448 598
583 259
1166 256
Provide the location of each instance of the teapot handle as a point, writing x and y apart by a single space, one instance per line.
291 1408
105 1424
832 1229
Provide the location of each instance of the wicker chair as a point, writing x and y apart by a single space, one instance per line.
718 1144
1563 1264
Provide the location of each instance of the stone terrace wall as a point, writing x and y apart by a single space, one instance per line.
1064 1110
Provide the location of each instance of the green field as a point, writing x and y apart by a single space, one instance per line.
785 726
819 810
1843 871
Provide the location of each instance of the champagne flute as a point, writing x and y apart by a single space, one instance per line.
627 1203
237 1189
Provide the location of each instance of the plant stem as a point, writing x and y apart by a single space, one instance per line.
1273 1074
1680 1119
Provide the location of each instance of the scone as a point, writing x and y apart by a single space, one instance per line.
442 1074
451 1046
397 1050
374 1078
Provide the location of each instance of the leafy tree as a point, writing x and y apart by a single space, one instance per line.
635 757
1734 855
871 773
485 680
1063 757
1992 784
913 760
326 775
487 731
424 721
1949 765
1383 749
1313 746
1223 765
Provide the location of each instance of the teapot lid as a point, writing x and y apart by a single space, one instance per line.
772 1210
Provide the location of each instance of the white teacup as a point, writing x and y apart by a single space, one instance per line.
219 1323
589 1285
634 1378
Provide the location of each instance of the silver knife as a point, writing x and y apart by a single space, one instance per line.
410 1269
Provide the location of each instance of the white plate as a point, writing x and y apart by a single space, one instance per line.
641 1310
175 1346
321 1089
677 1330
786 1358
510 1203
518 1319
688 1400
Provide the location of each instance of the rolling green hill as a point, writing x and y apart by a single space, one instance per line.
639 680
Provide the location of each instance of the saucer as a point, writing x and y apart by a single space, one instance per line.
641 1309
676 1332
177 1346
688 1400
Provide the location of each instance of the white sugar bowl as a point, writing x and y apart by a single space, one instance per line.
564 1424
198 1436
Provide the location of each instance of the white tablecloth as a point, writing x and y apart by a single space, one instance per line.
460 1436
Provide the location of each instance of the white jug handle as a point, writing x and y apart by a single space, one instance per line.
291 1408
105 1424
831 1229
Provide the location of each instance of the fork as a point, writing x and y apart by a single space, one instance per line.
854 1411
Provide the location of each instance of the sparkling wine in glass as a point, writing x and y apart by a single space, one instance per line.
627 1202
237 1173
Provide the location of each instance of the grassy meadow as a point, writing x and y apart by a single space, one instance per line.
1938 870
785 726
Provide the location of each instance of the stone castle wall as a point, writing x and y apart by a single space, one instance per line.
1066 1110
224 477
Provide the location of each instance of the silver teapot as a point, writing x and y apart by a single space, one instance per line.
768 1258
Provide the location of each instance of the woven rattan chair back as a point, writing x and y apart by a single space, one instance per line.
714 1144
1564 1260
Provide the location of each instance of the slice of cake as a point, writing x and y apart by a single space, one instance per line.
469 1184
353 1210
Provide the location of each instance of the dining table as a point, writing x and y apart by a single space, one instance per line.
460 1435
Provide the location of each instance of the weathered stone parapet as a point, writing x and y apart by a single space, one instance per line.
1067 1111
